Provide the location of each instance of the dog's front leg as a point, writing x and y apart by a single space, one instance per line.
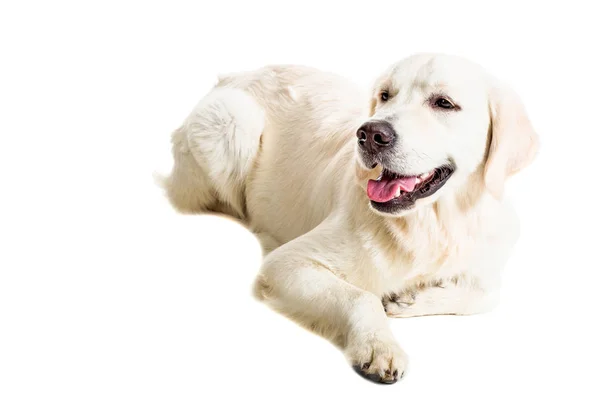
309 293
460 295
472 291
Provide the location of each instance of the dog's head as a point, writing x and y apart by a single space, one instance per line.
435 121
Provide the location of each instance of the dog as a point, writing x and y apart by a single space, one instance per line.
367 205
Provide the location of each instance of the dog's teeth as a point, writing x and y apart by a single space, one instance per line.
418 180
425 175
398 192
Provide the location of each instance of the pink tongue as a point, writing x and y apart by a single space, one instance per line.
384 190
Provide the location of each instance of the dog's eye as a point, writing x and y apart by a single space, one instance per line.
442 102
384 96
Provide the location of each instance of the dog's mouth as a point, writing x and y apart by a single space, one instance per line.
392 192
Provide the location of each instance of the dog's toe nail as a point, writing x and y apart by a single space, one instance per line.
395 374
366 365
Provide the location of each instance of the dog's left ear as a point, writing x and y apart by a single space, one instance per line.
514 143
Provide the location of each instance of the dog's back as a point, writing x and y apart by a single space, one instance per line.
255 147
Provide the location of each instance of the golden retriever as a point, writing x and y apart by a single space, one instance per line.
366 204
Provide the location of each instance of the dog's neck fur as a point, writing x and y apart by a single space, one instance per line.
435 234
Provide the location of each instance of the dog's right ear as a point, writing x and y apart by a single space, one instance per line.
514 143
375 93
373 105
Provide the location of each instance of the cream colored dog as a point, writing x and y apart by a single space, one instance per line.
366 204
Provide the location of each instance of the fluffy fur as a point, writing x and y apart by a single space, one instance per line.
277 148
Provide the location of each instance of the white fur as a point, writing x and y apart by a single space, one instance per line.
276 147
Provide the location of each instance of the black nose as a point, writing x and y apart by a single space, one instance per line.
374 136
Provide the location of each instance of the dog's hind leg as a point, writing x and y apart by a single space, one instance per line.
214 151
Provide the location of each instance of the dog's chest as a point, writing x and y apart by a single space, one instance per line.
425 253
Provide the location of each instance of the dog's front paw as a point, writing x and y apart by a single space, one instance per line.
396 305
377 357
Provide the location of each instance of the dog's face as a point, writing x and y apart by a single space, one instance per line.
432 118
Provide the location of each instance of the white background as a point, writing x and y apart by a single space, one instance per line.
107 293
